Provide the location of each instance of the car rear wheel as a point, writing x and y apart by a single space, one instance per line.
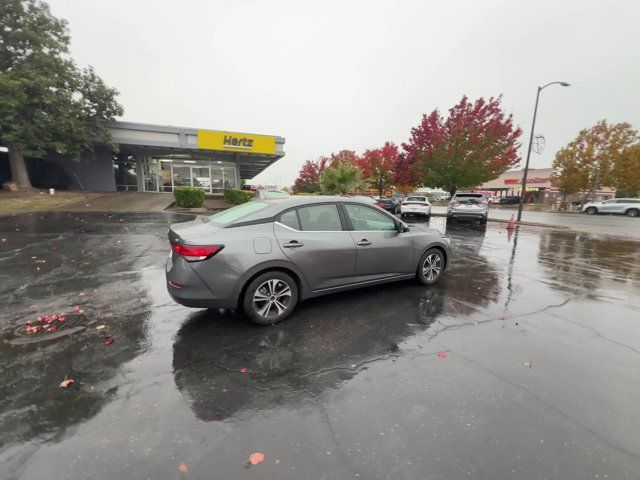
270 298
430 267
591 211
633 212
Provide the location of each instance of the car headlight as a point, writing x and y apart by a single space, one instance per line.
446 241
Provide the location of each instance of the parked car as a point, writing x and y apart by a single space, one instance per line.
469 206
266 256
268 194
494 199
510 200
619 206
391 205
415 205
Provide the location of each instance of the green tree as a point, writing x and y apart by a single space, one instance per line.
589 161
342 179
626 171
47 103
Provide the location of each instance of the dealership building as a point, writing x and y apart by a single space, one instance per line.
158 158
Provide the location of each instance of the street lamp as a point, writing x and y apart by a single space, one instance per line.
533 127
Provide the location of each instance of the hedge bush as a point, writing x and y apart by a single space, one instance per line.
189 197
235 196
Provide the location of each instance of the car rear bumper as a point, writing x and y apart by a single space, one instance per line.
415 211
187 288
468 214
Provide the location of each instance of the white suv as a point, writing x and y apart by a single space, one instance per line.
468 206
415 205
621 206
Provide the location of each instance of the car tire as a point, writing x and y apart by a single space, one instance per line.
591 211
633 212
430 266
259 301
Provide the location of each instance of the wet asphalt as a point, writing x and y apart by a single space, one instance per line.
521 363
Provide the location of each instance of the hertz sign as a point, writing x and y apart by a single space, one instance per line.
236 142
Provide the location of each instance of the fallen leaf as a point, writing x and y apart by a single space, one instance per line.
256 458
244 370
526 364
108 315
501 318
76 308
66 382
108 340
100 327
277 462
517 323
442 354
182 468
81 294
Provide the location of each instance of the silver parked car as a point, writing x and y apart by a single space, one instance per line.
468 205
266 255
621 206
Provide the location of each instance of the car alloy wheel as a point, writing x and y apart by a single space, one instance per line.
591 211
632 213
431 266
270 298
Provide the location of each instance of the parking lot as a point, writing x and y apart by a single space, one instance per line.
521 363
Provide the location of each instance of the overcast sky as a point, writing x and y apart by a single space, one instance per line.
329 75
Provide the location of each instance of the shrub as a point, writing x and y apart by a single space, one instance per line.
236 197
189 197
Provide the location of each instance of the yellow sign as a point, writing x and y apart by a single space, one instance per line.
236 142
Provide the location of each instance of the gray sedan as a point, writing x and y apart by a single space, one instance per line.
267 255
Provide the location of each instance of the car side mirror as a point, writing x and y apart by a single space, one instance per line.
402 227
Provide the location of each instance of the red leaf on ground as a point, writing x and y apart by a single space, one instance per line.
256 458
76 308
108 340
501 318
442 355
182 468
244 370
66 382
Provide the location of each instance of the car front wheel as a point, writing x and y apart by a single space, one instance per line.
430 267
591 211
270 298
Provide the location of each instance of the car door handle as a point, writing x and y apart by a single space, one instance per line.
293 244
364 242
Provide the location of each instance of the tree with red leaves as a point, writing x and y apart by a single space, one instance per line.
344 157
477 142
308 180
378 165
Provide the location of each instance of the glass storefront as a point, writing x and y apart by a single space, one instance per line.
163 174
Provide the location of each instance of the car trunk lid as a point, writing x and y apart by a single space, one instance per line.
196 232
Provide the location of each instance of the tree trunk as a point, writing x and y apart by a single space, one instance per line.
453 191
19 173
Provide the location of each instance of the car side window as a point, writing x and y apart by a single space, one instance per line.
320 218
367 219
290 219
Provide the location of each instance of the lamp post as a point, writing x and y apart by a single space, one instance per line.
533 127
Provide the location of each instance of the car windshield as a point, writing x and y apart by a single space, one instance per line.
415 199
234 214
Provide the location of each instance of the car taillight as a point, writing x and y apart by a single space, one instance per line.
196 253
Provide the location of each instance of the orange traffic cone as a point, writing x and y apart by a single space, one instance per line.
512 223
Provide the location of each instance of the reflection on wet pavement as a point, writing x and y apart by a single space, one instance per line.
540 331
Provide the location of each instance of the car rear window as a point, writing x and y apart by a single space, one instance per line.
236 213
415 199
